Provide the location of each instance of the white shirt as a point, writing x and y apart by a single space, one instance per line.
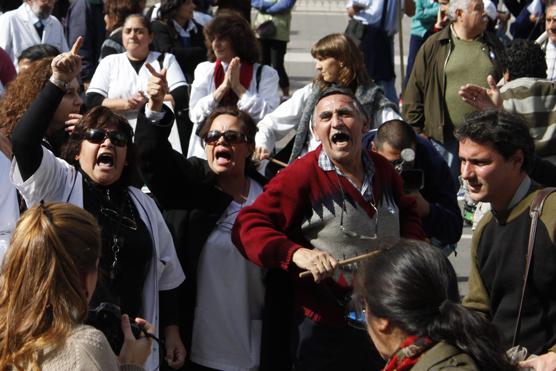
115 78
57 181
284 119
230 299
9 208
550 61
257 103
17 32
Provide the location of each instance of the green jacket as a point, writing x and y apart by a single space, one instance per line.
423 98
444 356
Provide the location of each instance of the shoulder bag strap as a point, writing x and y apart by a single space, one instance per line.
535 212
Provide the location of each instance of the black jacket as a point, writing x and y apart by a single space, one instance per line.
192 204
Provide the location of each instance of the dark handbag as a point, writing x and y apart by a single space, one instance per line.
356 31
266 30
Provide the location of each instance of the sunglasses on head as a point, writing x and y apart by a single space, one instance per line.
98 136
230 136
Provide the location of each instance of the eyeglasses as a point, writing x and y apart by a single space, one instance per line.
230 136
352 234
98 136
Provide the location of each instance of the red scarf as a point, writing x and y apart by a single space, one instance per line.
245 76
408 353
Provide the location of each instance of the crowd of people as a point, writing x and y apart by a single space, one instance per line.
145 225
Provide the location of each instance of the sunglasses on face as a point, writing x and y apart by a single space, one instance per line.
98 136
230 137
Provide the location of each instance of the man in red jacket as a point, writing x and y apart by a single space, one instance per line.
335 203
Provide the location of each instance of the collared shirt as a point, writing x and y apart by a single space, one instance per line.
521 192
33 19
326 164
185 32
550 61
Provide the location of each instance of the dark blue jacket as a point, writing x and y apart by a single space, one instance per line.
444 222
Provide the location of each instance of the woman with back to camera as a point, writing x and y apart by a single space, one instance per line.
201 199
340 62
231 77
48 277
138 262
409 292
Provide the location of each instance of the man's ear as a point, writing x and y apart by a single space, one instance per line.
518 158
373 146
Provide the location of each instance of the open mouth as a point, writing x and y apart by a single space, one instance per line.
223 156
105 160
338 138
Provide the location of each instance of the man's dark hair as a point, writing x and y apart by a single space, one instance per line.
38 51
397 134
524 58
506 132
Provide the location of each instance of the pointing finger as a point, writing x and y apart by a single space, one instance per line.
160 75
76 45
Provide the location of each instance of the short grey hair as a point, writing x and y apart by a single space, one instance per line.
335 90
454 5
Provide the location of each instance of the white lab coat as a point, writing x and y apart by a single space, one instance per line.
17 32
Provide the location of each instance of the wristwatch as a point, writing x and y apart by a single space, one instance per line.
64 85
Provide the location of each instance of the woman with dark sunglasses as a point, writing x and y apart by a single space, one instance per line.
224 295
138 260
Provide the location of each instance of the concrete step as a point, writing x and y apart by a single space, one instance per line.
318 6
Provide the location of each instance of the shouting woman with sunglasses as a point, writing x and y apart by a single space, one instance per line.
224 293
138 259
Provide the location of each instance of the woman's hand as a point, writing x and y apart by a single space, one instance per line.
261 154
73 119
66 66
157 88
135 351
136 101
232 75
175 350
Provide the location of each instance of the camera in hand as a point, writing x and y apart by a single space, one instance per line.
107 318
413 179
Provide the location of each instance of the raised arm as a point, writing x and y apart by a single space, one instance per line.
30 130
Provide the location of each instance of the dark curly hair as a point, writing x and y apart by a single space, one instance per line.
524 58
169 8
21 92
232 26
506 132
102 117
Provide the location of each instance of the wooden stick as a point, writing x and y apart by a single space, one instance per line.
345 262
278 162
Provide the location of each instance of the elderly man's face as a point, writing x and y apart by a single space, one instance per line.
474 18
551 23
41 8
339 126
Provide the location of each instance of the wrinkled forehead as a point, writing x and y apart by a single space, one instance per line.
334 102
551 12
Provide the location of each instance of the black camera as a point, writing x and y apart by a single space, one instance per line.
107 318
413 179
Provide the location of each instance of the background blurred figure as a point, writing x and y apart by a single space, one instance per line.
7 70
28 25
34 53
54 254
274 44
178 33
232 76
120 81
115 13
340 63
409 293
86 18
243 7
549 44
